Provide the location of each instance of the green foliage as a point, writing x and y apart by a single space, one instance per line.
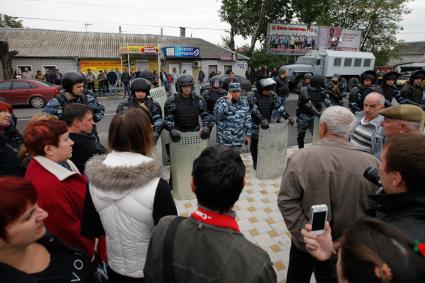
261 57
309 10
8 21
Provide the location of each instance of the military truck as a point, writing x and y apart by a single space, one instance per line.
349 65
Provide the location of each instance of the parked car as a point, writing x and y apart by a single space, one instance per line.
27 92
245 84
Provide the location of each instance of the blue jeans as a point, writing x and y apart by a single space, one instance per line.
126 89
112 89
276 115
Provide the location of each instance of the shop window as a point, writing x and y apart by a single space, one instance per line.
21 68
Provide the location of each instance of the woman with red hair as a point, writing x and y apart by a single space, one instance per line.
60 186
10 140
27 253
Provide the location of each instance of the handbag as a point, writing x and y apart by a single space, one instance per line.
99 267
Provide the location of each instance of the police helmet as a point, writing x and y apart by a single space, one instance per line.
308 76
368 75
316 81
140 85
215 82
390 76
182 80
336 77
266 84
69 79
420 74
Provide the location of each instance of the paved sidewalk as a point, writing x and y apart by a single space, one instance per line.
258 216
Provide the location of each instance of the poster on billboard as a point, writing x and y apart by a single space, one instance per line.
284 39
339 39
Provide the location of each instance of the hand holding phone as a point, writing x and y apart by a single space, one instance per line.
318 215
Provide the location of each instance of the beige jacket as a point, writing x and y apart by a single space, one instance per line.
329 172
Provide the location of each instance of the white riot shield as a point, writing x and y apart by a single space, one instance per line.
316 128
159 94
272 147
183 154
165 139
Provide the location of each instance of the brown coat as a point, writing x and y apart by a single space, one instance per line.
329 172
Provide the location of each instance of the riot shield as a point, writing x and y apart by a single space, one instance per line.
212 141
316 128
272 147
183 154
159 94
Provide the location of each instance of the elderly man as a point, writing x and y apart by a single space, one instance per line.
329 172
401 119
368 134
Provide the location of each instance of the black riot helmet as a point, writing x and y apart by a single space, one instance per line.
184 79
368 75
215 82
140 84
69 79
316 81
420 74
336 77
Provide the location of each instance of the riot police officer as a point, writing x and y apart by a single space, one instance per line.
335 90
358 93
309 105
306 82
140 98
262 102
414 89
390 90
212 94
73 92
182 111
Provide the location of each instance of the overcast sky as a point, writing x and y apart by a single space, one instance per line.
147 16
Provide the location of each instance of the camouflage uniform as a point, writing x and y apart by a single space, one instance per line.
335 92
233 121
56 105
150 106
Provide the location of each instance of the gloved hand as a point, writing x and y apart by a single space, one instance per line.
156 137
205 133
175 135
264 124
291 121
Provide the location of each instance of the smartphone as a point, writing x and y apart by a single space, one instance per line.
318 216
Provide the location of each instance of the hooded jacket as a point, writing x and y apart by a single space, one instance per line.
130 197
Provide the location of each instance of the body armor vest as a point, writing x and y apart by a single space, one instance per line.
187 112
416 94
316 97
265 106
389 92
213 96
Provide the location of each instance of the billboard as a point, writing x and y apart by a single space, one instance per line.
139 49
97 65
340 39
284 39
181 51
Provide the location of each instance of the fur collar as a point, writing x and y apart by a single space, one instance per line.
120 178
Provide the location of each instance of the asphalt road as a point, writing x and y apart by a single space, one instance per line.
24 114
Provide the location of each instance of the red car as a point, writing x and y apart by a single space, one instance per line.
24 92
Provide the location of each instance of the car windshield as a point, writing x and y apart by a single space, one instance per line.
305 60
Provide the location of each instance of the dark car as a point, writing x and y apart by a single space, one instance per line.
27 92
245 84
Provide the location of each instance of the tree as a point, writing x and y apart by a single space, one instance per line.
11 22
6 60
309 10
250 18
378 19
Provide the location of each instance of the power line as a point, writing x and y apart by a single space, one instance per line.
120 6
122 24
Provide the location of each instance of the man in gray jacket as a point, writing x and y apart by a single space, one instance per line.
208 246
329 172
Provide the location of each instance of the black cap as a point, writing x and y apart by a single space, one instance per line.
390 76
420 74
368 75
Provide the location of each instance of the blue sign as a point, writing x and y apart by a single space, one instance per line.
180 51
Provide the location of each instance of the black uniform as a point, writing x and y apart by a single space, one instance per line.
211 96
309 105
335 90
10 141
414 94
358 94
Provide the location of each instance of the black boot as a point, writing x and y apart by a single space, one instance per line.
300 140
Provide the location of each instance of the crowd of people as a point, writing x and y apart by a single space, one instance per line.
73 210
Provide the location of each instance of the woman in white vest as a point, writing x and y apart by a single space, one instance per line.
128 194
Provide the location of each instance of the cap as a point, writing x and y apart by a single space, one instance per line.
234 87
420 74
5 107
404 112
390 76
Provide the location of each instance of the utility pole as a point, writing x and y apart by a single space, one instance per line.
86 25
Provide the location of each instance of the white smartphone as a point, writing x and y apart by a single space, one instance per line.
318 216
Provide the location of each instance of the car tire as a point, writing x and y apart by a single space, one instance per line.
37 102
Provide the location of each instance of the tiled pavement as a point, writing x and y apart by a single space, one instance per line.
258 217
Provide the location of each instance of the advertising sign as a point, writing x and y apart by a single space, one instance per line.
139 49
97 65
284 39
340 39
181 51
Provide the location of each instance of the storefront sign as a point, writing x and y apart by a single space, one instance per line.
180 52
97 65
140 49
